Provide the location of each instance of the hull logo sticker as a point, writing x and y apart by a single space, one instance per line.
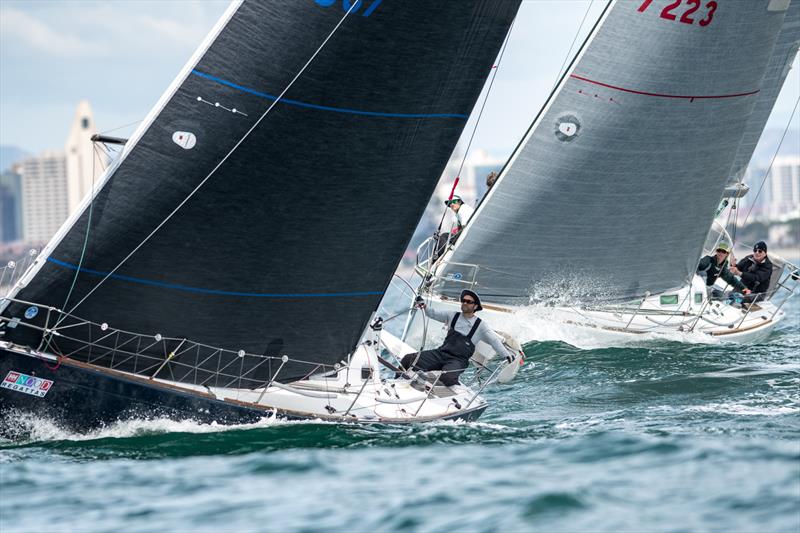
17 381
184 139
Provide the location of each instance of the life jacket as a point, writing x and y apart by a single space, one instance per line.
457 344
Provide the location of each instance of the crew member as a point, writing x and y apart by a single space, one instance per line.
755 271
465 331
716 266
462 213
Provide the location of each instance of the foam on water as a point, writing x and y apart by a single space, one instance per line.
544 323
26 429
745 409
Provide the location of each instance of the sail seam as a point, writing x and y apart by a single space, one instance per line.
662 95
350 111
187 288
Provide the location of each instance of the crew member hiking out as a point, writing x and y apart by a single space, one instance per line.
464 332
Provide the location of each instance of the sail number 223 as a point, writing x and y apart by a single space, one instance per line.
671 12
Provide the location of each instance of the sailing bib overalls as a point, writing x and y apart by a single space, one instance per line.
452 357
458 345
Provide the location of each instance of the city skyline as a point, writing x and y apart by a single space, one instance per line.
122 57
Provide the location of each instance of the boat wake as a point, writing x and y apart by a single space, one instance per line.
22 429
542 324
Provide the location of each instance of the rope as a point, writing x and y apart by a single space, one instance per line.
222 161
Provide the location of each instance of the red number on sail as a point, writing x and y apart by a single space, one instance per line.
644 6
712 6
666 13
686 19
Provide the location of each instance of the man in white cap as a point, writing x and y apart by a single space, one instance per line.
465 331
462 212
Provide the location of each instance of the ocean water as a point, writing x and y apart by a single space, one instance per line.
662 436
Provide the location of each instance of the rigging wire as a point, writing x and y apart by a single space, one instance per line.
571 46
96 156
222 161
769 168
120 127
495 68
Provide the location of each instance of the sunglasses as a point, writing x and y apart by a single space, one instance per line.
471 302
723 251
759 251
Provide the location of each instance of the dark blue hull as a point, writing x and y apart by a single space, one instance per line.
84 397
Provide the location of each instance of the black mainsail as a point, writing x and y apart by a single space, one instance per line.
287 246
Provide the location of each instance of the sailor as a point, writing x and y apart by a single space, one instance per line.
716 266
755 271
462 213
490 179
465 331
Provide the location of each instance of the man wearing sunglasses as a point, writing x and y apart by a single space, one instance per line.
465 331
716 266
755 271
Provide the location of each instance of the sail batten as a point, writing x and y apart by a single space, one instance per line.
612 191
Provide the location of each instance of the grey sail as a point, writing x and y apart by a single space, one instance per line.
780 64
612 191
295 230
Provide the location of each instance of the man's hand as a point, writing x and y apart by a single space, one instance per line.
746 291
734 270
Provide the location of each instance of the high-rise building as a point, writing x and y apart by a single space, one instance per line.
84 166
775 193
783 188
54 183
10 207
44 195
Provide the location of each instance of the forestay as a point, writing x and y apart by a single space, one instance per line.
612 190
289 245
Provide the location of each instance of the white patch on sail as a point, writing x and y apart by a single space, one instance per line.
567 127
184 139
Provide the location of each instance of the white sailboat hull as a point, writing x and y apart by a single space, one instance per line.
686 321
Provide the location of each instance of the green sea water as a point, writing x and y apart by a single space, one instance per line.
662 436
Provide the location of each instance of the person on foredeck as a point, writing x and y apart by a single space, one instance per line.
462 212
755 271
716 266
464 332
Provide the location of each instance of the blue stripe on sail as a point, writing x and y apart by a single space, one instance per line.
297 103
214 291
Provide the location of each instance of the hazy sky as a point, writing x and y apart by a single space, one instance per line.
121 55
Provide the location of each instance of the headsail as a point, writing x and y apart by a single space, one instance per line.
780 63
289 244
612 191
